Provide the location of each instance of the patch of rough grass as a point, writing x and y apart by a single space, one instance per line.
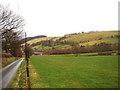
6 61
35 79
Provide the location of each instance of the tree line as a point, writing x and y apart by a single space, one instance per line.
76 49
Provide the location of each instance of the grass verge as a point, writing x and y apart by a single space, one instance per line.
19 80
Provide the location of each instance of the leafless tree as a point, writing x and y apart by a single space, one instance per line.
9 20
28 50
75 48
11 27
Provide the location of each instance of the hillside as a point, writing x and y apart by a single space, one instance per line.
91 36
35 37
86 39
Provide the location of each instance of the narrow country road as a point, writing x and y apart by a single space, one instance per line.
9 72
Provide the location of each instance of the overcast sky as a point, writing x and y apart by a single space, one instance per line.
59 17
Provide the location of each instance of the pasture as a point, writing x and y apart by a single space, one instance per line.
74 72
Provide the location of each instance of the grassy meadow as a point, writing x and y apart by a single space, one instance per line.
74 72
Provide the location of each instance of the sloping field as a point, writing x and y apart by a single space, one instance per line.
56 38
74 72
91 36
106 40
40 47
38 40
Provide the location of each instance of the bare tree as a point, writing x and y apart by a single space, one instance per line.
9 20
28 50
11 27
75 48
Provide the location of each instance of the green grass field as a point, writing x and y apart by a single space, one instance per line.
74 72
40 47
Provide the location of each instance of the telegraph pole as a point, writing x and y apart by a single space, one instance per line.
27 64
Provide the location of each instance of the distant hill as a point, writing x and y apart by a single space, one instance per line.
35 37
89 38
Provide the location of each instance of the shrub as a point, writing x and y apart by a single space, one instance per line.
6 55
